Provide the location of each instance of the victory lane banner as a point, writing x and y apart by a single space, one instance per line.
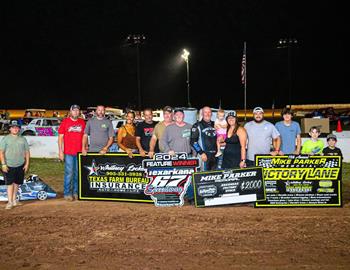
112 177
301 181
170 177
228 187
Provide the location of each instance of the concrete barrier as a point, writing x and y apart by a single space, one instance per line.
43 146
47 147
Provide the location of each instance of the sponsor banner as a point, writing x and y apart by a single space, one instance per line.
228 187
112 177
292 181
170 177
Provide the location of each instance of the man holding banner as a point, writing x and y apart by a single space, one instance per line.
261 134
101 132
176 137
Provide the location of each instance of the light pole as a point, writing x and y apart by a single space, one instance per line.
185 57
137 40
288 43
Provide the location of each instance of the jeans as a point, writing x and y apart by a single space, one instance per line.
114 148
70 175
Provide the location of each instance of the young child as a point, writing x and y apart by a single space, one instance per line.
331 149
221 128
314 146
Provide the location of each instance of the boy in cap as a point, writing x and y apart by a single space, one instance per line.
331 149
14 156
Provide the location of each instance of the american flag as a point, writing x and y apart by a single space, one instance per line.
243 70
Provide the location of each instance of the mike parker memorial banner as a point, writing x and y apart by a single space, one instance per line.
228 187
112 177
170 177
292 181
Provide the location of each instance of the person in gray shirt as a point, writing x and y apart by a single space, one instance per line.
101 132
176 137
261 135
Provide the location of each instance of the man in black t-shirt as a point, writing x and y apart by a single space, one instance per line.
144 132
331 149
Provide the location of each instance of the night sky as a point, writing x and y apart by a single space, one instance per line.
55 53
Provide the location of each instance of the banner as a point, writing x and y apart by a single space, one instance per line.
112 177
170 177
228 187
292 181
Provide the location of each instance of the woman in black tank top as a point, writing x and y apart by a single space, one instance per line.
235 149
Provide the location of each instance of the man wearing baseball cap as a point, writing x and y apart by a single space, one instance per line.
159 129
176 137
14 157
261 136
70 135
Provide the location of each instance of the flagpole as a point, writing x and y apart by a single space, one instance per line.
245 81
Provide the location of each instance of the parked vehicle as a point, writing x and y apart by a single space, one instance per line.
32 188
41 127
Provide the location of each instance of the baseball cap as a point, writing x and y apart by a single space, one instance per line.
331 136
258 109
74 106
232 113
14 123
168 109
178 110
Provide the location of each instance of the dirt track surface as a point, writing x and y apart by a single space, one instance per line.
56 234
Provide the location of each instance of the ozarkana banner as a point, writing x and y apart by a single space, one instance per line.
170 177
112 177
228 187
292 181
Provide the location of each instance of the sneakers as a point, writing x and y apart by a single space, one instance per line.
218 154
76 197
68 198
9 206
16 203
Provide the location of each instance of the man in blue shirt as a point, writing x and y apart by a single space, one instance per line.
290 133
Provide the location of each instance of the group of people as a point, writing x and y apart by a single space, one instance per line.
222 140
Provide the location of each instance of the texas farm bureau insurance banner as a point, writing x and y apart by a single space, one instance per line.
292 181
228 187
114 177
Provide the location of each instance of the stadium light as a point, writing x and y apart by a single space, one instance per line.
185 56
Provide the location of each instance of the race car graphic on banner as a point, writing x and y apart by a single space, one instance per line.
170 177
292 181
112 177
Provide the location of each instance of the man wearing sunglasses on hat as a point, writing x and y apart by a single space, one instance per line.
261 135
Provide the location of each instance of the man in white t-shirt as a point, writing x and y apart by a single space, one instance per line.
261 136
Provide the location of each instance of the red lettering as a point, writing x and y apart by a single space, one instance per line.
184 162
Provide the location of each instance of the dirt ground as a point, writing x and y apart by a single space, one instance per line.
56 234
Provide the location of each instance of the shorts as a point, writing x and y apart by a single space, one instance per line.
14 175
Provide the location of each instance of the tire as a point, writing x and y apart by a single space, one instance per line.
42 195
28 133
